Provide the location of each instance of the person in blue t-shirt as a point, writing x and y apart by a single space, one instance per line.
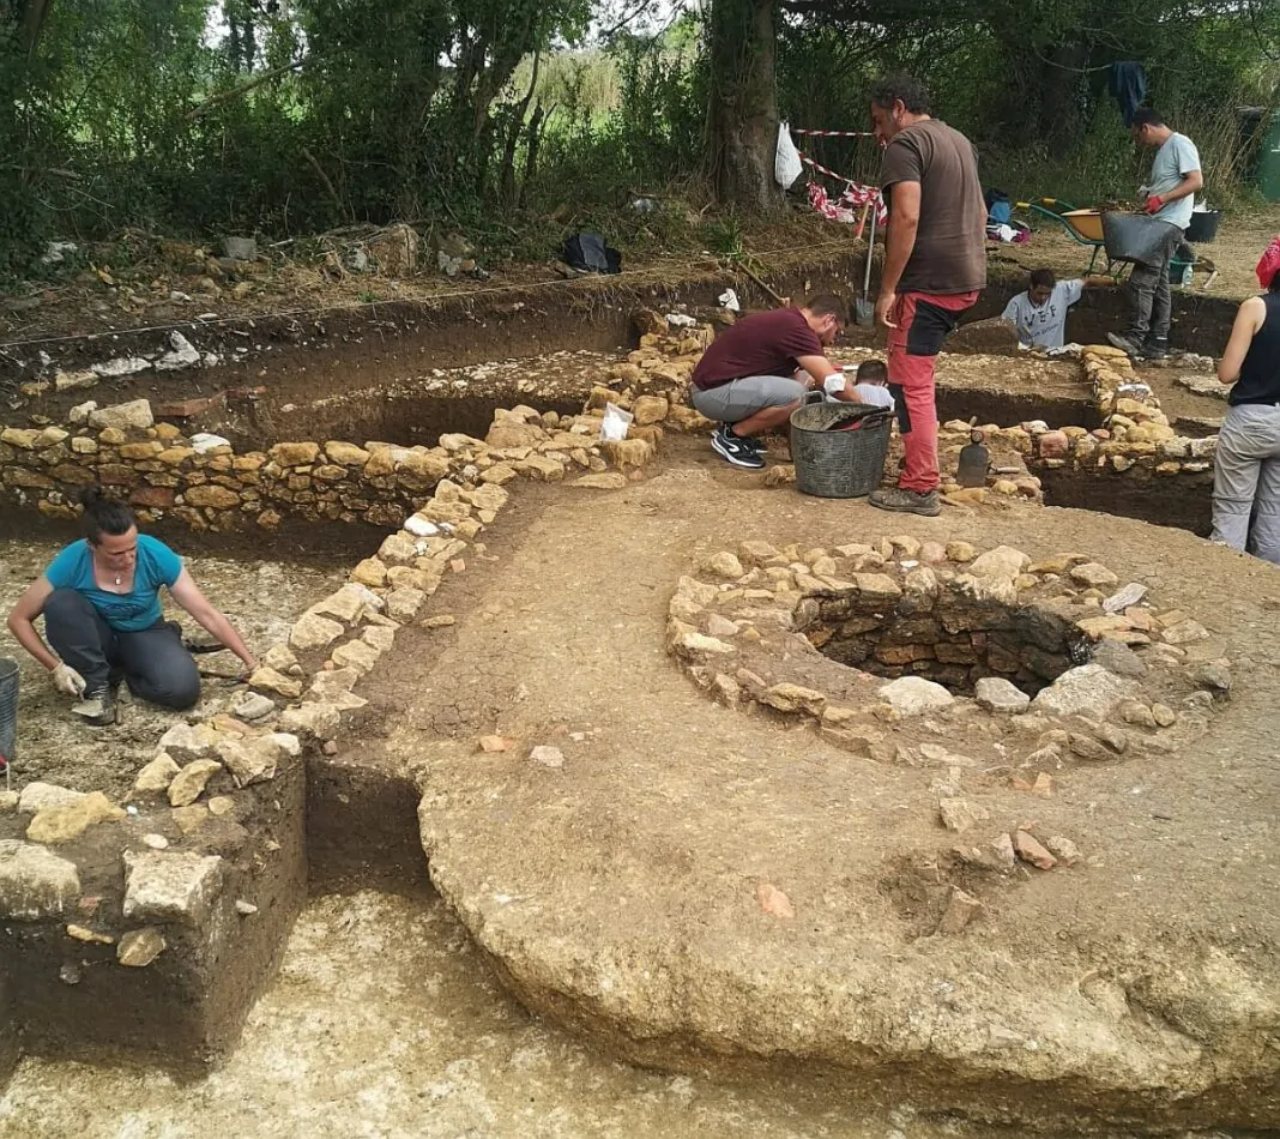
101 603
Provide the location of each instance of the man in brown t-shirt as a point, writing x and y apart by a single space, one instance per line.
935 264
747 378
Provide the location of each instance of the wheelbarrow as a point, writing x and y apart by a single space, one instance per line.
1084 227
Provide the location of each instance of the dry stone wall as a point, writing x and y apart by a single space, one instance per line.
1137 439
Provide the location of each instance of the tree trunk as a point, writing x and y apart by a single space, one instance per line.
1061 119
743 113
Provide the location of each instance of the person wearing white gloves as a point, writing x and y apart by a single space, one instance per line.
100 598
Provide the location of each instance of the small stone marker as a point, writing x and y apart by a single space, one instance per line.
547 756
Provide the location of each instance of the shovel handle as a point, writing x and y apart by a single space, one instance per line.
862 221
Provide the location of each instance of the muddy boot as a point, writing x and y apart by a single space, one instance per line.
1126 343
907 501
97 709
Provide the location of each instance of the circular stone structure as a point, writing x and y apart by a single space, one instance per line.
1059 917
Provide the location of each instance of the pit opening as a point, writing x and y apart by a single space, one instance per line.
954 639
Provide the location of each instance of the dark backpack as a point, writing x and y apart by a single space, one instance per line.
588 253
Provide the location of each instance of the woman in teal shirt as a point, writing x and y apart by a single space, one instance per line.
101 603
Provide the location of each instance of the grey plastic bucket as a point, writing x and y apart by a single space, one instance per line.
8 708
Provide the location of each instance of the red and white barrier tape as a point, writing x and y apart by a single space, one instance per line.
855 194
834 134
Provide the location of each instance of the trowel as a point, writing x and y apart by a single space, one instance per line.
975 461
864 311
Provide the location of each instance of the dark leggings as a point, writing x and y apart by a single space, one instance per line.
153 661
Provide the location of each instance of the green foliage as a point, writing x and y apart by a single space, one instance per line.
204 117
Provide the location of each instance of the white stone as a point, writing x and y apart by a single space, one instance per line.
912 695
999 695
120 366
253 707
163 886
421 527
35 883
1089 690
203 441
547 756
135 414
181 354
37 796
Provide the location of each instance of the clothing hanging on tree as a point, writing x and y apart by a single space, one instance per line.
1127 82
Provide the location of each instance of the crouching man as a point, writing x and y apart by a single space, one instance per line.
100 598
746 379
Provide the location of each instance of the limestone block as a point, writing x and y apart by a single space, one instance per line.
55 825
163 886
188 785
1089 690
135 414
34 882
311 632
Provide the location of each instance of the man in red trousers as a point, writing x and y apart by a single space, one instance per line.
935 265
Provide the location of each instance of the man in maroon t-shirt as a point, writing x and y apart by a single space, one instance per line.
935 264
746 379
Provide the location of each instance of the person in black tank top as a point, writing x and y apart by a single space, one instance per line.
1246 478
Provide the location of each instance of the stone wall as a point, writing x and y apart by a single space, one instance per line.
1136 440
203 482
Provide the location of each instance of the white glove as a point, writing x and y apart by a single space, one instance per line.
67 681
833 383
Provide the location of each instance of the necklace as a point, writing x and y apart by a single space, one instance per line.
117 579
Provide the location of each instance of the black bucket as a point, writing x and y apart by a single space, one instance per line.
1204 225
834 463
1134 237
8 710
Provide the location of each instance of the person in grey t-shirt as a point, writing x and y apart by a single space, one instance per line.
1039 316
1175 180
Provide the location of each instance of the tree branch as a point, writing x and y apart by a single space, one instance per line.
236 92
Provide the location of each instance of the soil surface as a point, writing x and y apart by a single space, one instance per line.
619 891
384 1022
261 598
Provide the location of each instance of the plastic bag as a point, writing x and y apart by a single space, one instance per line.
613 427
787 166
729 299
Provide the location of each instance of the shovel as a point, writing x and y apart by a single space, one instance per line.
864 312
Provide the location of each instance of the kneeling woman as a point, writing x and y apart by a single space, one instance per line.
101 603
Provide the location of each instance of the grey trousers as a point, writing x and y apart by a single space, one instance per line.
1150 301
1246 477
152 661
